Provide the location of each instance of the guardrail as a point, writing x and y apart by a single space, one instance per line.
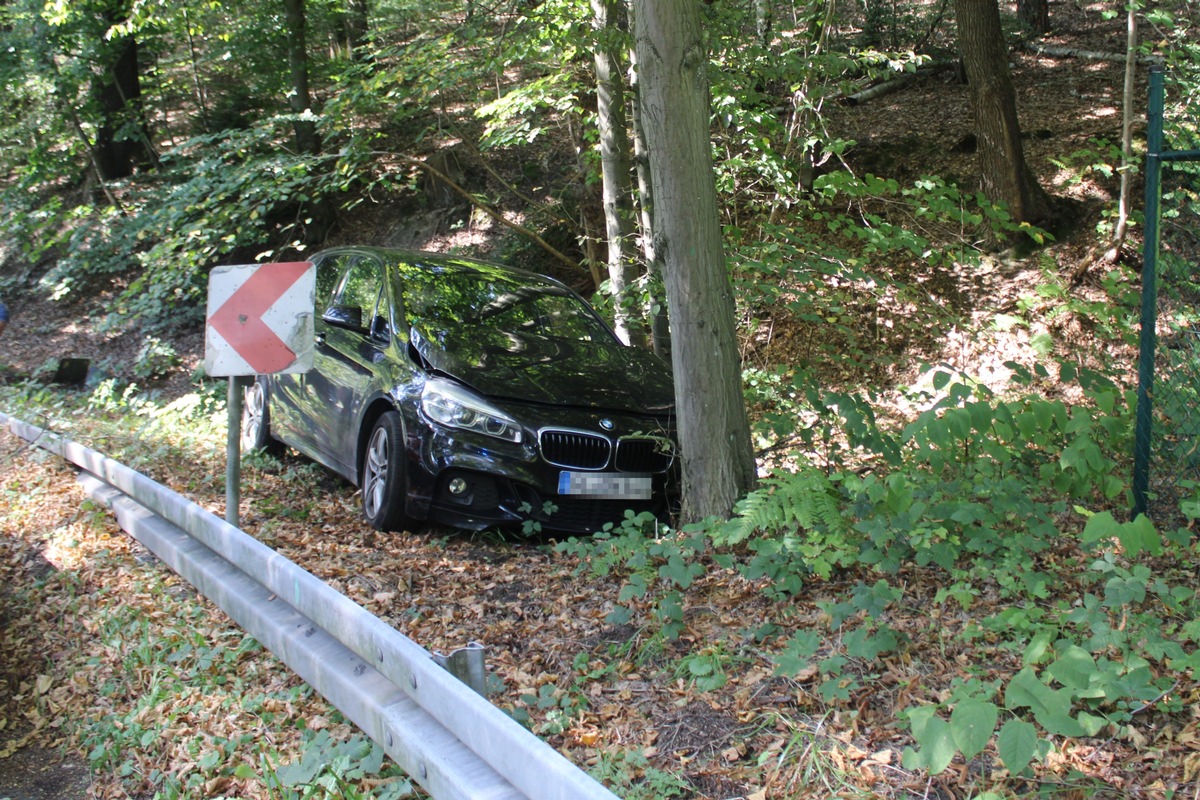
448 738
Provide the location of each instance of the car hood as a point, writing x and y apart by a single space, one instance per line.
541 369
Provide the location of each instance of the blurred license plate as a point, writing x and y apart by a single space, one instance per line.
610 485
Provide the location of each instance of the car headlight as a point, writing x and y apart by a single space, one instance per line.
451 405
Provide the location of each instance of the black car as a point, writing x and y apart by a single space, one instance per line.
473 395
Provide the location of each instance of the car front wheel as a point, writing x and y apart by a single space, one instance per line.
256 419
383 485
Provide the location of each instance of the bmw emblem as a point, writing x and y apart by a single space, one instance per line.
607 424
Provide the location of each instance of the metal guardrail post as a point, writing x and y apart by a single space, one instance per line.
534 769
467 664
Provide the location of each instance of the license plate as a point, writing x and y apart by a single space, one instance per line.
607 485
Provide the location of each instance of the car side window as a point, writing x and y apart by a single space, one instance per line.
329 272
360 290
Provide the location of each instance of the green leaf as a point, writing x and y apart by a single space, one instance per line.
635 588
1017 743
1099 526
1037 648
971 724
678 571
1051 708
1075 669
797 655
937 742
1042 344
1123 591
1140 535
245 772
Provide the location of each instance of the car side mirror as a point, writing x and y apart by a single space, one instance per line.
344 317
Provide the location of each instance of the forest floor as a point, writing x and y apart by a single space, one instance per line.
542 620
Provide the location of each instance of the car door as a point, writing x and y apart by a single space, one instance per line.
352 336
290 411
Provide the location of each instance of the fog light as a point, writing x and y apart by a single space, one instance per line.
457 486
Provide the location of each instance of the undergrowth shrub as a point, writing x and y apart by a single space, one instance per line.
992 495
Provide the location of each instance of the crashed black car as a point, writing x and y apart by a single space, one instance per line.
472 395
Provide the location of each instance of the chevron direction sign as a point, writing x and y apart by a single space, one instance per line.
260 319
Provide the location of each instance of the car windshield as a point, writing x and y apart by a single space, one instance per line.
441 299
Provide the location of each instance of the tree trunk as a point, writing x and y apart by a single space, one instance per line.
660 325
299 99
1034 15
121 138
114 149
763 20
356 26
1005 176
616 175
714 430
1127 101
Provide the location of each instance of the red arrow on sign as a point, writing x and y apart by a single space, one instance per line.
240 319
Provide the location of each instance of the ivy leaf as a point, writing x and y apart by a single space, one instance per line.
971 724
1017 743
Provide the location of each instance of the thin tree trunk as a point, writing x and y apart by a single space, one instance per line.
299 99
1126 127
356 25
714 430
1006 178
201 103
763 20
660 324
616 175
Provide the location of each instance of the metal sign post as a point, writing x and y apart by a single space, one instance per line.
259 322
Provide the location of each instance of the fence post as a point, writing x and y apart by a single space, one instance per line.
1143 430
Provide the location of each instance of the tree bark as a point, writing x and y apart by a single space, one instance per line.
356 26
1034 15
1004 174
660 323
714 430
764 18
616 174
299 99
1127 101
114 148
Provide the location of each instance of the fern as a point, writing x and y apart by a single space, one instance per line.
786 502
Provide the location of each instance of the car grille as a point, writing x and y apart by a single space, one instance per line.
645 454
575 450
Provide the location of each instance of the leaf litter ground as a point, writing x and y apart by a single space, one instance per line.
600 690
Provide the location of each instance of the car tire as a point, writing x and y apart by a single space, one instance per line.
256 419
384 489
